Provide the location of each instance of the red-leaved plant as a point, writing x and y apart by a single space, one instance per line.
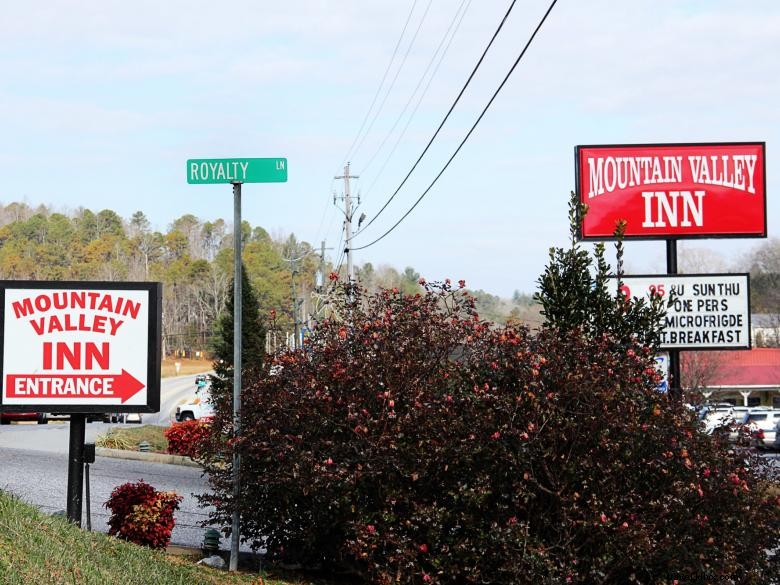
187 438
141 514
411 442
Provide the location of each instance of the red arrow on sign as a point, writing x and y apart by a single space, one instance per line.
42 386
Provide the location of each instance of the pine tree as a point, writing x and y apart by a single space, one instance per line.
252 343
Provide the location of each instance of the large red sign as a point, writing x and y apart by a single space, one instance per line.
673 190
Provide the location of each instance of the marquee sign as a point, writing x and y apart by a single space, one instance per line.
673 190
80 347
708 311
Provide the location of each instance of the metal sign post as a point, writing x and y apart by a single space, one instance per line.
76 467
237 316
675 384
236 171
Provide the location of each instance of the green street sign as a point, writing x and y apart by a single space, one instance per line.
206 171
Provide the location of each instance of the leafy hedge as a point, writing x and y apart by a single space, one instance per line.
418 444
411 442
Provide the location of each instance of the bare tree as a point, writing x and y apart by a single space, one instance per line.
699 370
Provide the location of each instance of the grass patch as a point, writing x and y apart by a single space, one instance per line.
128 438
35 548
186 367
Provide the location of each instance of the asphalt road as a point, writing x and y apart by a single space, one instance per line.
34 466
40 478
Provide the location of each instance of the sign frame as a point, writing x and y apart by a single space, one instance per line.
667 348
154 345
610 237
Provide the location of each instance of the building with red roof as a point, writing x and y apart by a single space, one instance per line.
749 377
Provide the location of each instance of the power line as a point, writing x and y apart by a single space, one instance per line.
446 117
457 150
420 82
417 105
395 78
381 83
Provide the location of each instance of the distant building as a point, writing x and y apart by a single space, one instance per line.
765 329
749 378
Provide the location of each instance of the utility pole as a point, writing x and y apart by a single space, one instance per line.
299 303
296 324
348 221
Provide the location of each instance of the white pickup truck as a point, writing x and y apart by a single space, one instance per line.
198 408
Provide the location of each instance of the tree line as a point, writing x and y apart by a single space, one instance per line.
193 258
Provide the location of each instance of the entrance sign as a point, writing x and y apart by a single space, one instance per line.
673 190
236 170
708 311
80 347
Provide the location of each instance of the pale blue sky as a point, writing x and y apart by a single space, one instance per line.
101 104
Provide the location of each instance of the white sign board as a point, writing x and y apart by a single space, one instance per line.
80 347
708 311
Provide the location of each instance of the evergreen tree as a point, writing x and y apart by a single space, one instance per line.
575 295
252 344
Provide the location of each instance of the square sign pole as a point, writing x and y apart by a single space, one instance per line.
80 347
236 171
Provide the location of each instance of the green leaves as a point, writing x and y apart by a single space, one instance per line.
574 292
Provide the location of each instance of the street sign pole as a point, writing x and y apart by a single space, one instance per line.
237 315
76 467
236 171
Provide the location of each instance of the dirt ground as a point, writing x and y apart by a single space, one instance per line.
186 367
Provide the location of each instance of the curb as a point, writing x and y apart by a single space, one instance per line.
148 457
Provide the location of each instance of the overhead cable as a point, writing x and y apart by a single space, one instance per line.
371 159
381 83
446 116
395 78
457 150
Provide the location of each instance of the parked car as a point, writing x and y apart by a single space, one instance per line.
776 444
719 416
123 417
40 417
760 424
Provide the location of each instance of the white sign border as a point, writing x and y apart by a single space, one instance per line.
154 345
678 347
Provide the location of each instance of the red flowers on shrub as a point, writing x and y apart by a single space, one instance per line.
141 514
187 438
560 463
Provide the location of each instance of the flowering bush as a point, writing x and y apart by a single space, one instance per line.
418 444
187 438
411 442
141 514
